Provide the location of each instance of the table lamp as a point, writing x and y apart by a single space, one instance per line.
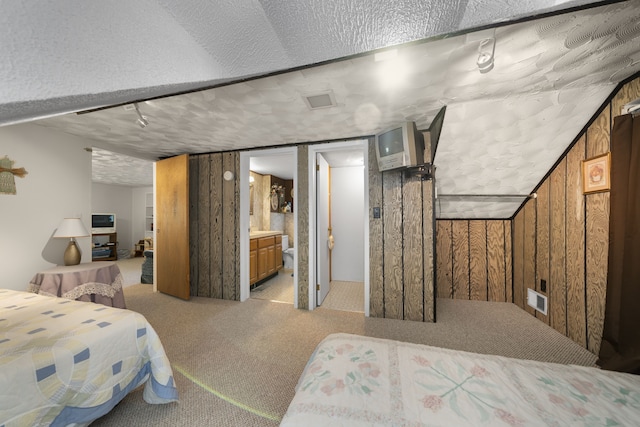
71 228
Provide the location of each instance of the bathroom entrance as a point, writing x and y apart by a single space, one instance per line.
268 211
341 157
338 214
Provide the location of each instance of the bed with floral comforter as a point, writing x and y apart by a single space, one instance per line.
65 362
352 380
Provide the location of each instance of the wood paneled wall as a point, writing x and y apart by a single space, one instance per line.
562 236
214 226
401 241
302 227
473 260
401 244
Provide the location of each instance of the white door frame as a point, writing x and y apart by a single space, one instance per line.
323 254
245 224
323 148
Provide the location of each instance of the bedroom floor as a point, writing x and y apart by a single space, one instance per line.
238 363
131 270
343 296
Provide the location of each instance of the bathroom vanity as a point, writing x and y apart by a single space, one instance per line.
265 255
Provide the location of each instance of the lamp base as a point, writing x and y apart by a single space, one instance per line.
72 255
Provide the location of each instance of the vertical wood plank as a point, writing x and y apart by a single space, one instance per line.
204 226
529 275
542 244
428 234
193 225
557 247
376 289
302 206
412 258
460 233
229 227
598 134
237 228
496 276
392 231
216 228
627 93
478 260
518 260
576 310
444 259
508 260
597 237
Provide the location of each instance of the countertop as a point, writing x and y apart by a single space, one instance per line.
256 234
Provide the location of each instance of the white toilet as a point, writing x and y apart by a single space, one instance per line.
287 252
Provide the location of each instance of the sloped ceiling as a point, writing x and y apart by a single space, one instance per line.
503 130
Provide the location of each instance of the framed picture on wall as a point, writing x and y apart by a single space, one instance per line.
596 174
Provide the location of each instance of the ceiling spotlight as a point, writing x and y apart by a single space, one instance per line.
485 55
142 120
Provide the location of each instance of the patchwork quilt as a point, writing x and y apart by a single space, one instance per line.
68 362
352 380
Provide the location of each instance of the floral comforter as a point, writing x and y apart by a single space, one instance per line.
357 381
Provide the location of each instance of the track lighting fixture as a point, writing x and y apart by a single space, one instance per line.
142 120
486 52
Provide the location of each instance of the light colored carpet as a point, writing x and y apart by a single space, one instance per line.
279 289
237 363
131 270
345 296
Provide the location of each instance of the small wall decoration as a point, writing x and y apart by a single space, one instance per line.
276 197
596 174
7 174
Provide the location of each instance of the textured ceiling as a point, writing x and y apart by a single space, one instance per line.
108 167
65 55
502 132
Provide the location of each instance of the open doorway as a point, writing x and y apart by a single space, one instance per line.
339 226
268 235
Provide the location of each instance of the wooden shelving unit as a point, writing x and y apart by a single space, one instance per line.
111 245
148 219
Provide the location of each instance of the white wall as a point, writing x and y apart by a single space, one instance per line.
129 205
58 185
118 199
139 201
347 221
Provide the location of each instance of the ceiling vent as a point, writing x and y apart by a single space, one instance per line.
320 100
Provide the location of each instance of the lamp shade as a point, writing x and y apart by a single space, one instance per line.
71 227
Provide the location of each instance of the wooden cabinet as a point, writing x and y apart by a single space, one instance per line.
253 261
271 260
278 252
265 257
262 263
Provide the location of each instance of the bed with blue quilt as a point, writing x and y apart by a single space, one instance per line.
65 362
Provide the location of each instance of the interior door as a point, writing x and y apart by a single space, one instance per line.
172 226
322 228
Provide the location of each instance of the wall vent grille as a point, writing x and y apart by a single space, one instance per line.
537 301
